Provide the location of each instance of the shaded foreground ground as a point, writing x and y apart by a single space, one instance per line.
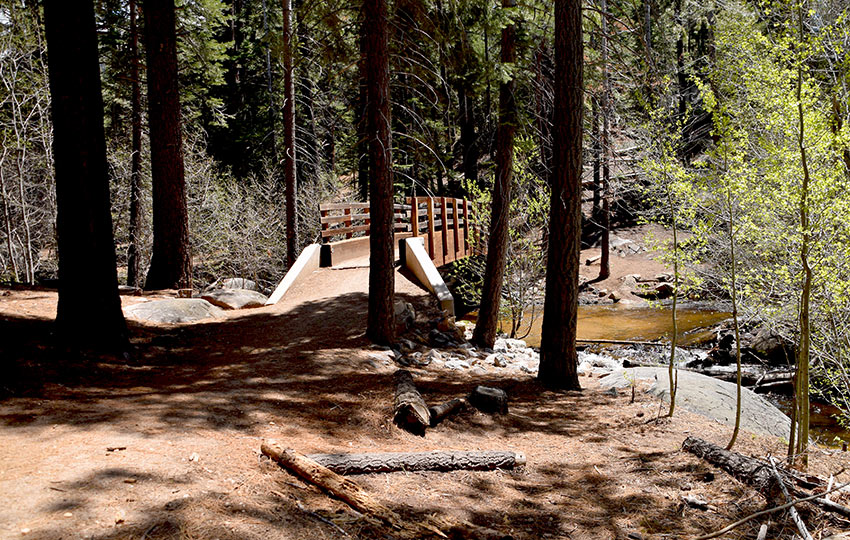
169 449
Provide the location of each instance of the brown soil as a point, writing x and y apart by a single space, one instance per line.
169 448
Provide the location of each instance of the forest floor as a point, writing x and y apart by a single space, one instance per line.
169 448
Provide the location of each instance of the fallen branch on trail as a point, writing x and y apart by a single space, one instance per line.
795 516
410 410
351 493
759 474
443 410
418 461
746 469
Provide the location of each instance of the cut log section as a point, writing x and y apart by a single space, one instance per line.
443 410
489 400
419 461
410 410
351 493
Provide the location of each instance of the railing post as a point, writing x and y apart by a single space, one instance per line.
455 215
465 227
431 231
414 215
323 213
348 222
443 230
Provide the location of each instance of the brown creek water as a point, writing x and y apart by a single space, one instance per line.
618 322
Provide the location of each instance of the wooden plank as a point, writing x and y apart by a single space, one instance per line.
327 220
347 231
345 206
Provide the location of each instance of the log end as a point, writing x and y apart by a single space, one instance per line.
519 459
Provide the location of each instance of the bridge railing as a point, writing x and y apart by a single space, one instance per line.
344 220
447 225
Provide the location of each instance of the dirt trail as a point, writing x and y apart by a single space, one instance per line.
169 449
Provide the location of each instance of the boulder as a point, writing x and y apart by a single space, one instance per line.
173 310
239 283
772 347
707 396
235 298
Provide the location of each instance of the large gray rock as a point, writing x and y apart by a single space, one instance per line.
173 310
235 298
709 397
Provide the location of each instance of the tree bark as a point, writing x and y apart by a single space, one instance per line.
133 263
89 311
558 356
171 261
289 138
410 410
494 272
380 326
381 462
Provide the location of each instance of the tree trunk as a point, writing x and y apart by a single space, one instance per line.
381 462
491 293
134 230
380 325
802 378
289 138
89 311
605 242
558 357
270 86
171 261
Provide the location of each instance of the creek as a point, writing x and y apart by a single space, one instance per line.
625 323
620 322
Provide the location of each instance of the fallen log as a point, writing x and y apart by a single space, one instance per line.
758 474
418 461
443 410
351 493
746 469
410 410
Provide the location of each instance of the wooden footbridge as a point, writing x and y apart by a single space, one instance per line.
447 226
429 232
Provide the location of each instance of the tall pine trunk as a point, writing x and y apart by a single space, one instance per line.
491 294
558 357
171 261
380 325
89 311
133 263
605 242
289 138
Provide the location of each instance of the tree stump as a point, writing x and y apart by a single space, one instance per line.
489 400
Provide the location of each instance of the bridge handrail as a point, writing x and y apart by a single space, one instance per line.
448 225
